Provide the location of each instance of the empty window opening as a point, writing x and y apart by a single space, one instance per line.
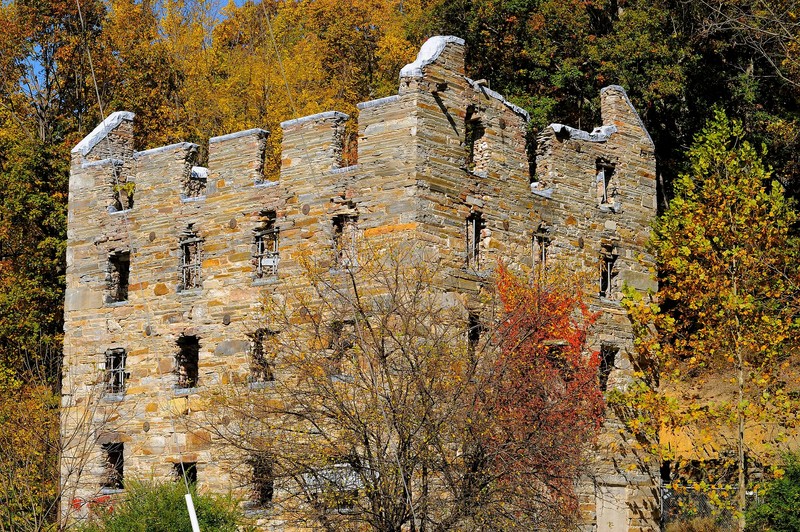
335 488
665 472
187 361
191 248
263 478
474 228
608 272
113 465
122 195
606 185
540 250
345 241
195 185
265 255
342 340
261 343
608 356
185 471
476 144
116 377
119 268
474 332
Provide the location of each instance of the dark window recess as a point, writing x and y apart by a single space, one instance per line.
261 342
263 478
608 355
606 186
191 248
608 272
474 331
345 241
195 185
122 195
187 471
665 471
266 255
119 268
475 143
187 361
116 376
541 245
342 341
474 227
113 465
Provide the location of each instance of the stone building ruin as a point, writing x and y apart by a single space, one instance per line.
168 262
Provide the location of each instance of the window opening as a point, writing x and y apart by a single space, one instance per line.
263 478
187 470
608 355
113 465
119 266
260 366
266 255
187 361
115 370
541 245
335 488
191 247
606 189
345 238
342 340
474 227
475 143
195 185
608 272
474 331
122 195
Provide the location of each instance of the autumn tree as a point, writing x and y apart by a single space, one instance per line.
728 310
390 405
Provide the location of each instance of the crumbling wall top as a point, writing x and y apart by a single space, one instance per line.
101 131
429 52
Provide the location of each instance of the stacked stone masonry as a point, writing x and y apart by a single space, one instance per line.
198 248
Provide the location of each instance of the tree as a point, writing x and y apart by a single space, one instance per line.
392 406
779 510
729 304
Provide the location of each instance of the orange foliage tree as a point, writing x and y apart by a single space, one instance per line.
546 397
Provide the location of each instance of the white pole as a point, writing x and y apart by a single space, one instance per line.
192 515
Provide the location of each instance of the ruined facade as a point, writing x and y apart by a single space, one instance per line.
168 262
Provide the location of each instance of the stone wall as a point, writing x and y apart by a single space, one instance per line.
444 153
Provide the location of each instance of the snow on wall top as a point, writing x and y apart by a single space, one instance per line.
432 48
101 131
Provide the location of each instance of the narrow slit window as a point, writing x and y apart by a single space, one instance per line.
119 267
261 342
474 332
608 272
474 228
187 361
606 186
345 241
263 479
113 465
476 145
541 245
342 341
116 377
187 471
191 248
266 255
608 356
